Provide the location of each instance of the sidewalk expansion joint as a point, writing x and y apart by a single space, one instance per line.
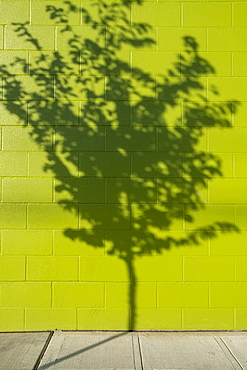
36 366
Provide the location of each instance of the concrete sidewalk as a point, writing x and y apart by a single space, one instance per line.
123 350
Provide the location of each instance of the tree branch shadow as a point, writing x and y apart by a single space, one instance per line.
125 158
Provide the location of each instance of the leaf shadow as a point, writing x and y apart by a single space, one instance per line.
125 147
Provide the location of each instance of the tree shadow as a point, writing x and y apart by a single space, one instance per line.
127 155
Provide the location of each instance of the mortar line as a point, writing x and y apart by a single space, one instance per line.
30 12
181 15
4 38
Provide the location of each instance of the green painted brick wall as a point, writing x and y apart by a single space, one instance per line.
123 165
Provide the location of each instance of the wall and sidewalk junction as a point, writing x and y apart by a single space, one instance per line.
123 165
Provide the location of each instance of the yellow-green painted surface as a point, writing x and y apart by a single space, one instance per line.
123 165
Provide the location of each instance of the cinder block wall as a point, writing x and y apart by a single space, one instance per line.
123 165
